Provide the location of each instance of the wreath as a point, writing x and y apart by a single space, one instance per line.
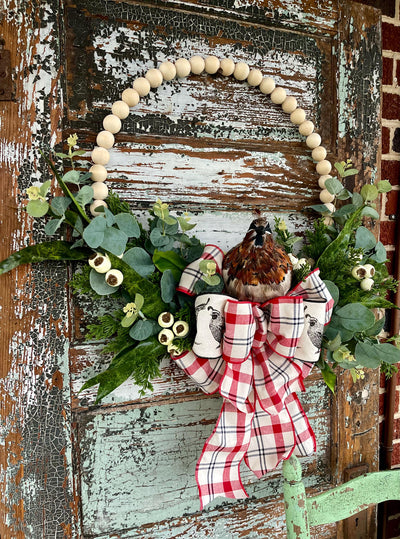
170 296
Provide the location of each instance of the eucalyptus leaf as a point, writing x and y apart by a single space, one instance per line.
59 205
376 328
349 172
333 185
369 192
37 208
44 188
333 290
364 239
53 225
128 224
320 208
370 212
142 330
345 210
110 218
158 239
139 301
78 152
72 176
84 195
384 186
327 374
357 200
334 343
343 195
140 260
356 317
49 250
340 168
94 232
167 285
367 356
380 254
185 225
99 285
127 321
387 352
114 241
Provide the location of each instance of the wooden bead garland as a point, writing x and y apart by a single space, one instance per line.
168 70
182 67
155 77
211 64
197 64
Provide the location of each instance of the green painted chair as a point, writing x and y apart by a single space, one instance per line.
333 505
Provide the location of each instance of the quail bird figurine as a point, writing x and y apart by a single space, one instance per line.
257 269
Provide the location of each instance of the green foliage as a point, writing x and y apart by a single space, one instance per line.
316 240
107 326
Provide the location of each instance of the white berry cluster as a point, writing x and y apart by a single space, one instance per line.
172 329
102 264
364 274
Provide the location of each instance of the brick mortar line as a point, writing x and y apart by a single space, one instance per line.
390 123
390 157
389 89
390 20
394 55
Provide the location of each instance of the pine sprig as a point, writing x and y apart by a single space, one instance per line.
80 282
107 326
316 240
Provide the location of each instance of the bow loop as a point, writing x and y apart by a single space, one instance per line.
240 327
285 323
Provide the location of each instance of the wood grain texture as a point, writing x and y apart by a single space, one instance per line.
36 487
356 424
138 463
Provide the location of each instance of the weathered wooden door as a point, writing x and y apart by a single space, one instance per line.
206 144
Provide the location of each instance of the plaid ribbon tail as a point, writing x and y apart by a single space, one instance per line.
218 468
206 373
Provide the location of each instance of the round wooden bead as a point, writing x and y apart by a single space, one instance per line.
212 64
100 190
318 153
330 207
197 64
313 140
168 70
100 156
306 128
98 172
289 105
95 204
323 167
255 77
120 109
326 196
112 123
131 97
322 180
241 71
267 85
105 139
227 67
278 95
182 68
142 86
328 221
298 116
155 77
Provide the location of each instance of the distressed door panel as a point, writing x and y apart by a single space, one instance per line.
218 148
138 463
106 53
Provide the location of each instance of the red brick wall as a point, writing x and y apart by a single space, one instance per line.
390 170
390 166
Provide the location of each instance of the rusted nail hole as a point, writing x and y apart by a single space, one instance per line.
3 74
1 91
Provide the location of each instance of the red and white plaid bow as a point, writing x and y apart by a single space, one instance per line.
266 354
